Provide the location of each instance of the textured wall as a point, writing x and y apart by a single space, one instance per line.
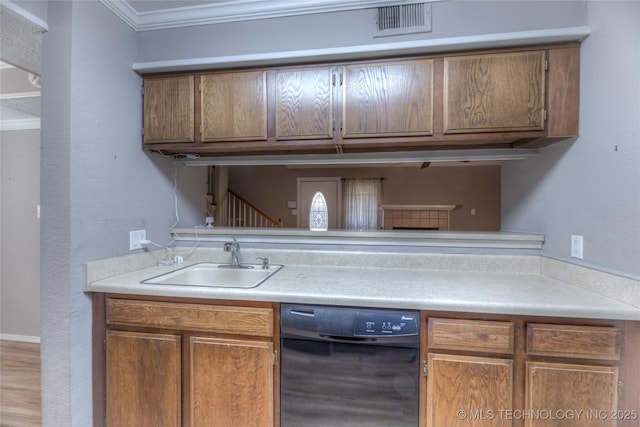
97 184
591 187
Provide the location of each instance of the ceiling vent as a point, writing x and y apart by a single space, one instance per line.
403 19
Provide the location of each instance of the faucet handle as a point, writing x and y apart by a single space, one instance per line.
265 262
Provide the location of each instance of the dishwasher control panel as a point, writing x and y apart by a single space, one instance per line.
379 324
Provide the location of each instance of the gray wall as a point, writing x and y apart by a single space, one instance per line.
591 187
352 28
97 184
20 235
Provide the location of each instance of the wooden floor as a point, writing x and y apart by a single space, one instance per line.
20 401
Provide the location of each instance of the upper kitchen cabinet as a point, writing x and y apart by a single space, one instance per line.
304 103
494 92
524 97
168 109
388 99
233 106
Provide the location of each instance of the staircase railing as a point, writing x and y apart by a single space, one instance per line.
239 212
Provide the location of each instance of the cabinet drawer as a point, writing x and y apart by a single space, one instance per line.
471 335
584 342
191 317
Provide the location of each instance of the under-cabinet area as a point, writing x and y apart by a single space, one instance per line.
195 362
499 98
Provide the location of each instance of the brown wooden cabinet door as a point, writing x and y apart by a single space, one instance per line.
143 379
388 99
570 389
231 382
304 104
468 391
168 109
494 92
234 106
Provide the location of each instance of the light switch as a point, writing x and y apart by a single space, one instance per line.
292 204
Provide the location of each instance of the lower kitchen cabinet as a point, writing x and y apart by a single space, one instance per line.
474 388
579 386
188 364
468 390
143 379
176 362
560 394
231 382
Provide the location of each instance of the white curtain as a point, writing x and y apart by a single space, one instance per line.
361 202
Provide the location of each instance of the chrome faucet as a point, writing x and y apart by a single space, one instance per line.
265 262
234 248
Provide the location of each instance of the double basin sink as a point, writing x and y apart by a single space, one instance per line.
217 275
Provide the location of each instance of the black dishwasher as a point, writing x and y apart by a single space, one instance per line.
349 367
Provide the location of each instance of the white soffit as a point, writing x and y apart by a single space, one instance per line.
166 15
415 47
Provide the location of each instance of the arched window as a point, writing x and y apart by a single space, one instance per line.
318 213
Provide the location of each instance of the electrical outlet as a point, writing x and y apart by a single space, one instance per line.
576 246
135 239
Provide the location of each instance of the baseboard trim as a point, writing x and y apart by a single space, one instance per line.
21 338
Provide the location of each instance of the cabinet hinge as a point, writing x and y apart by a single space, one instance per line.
546 64
425 368
200 87
275 358
333 79
340 79
334 125
104 345
200 129
544 114
142 87
620 387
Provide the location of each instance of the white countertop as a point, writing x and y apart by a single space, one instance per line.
478 284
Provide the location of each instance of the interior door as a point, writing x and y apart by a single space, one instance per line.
331 189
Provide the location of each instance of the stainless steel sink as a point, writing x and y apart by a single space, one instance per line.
217 275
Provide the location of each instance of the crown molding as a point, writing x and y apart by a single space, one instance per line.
220 12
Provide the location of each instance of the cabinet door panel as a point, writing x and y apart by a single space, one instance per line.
231 382
571 388
168 109
234 106
468 391
143 379
388 99
494 92
304 104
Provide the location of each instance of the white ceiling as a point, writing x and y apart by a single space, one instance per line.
145 15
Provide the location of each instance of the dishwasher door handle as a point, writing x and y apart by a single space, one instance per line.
338 338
